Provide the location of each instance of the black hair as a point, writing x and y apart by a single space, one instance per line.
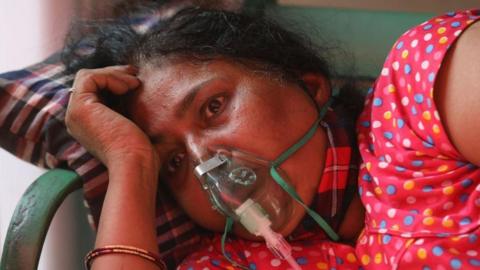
202 34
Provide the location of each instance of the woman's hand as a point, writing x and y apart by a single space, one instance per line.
105 133
128 213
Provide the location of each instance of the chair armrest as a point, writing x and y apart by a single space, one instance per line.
32 217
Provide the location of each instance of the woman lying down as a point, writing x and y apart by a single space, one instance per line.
239 120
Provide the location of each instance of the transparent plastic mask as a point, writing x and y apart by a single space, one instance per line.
240 186
231 177
256 193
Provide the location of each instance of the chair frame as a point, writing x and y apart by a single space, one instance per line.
32 217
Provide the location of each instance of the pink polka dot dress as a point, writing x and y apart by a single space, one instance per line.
422 198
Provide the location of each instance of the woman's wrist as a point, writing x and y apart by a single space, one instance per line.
128 213
141 168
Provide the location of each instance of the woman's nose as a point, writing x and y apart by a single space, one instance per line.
197 148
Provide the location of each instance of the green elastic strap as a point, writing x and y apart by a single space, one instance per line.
305 137
320 221
228 228
280 181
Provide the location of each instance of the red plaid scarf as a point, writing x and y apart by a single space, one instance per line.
339 179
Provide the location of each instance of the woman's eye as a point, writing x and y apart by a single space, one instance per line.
175 162
214 106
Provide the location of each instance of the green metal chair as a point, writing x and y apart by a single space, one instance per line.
32 217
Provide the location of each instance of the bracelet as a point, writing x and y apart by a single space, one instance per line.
112 249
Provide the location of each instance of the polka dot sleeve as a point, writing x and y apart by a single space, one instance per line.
422 198
409 162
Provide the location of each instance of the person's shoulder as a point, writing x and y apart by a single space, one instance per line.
457 93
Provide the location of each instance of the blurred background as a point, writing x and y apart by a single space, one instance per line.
31 30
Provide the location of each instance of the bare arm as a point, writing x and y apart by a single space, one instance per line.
457 94
128 214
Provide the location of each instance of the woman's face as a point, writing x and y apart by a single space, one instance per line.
188 108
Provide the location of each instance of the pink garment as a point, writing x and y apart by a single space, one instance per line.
421 196
316 253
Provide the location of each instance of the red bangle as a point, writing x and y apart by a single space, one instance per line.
112 249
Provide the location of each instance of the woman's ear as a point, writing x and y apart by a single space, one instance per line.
318 87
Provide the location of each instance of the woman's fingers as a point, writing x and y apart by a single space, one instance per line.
131 80
104 132
116 79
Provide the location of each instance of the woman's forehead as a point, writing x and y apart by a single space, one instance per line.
170 87
167 84
162 78
167 90
183 67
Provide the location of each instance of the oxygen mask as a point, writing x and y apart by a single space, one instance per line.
256 193
240 186
232 177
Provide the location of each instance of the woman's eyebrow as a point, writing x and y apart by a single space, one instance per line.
183 107
187 101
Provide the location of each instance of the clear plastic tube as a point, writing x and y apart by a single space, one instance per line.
254 219
277 244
